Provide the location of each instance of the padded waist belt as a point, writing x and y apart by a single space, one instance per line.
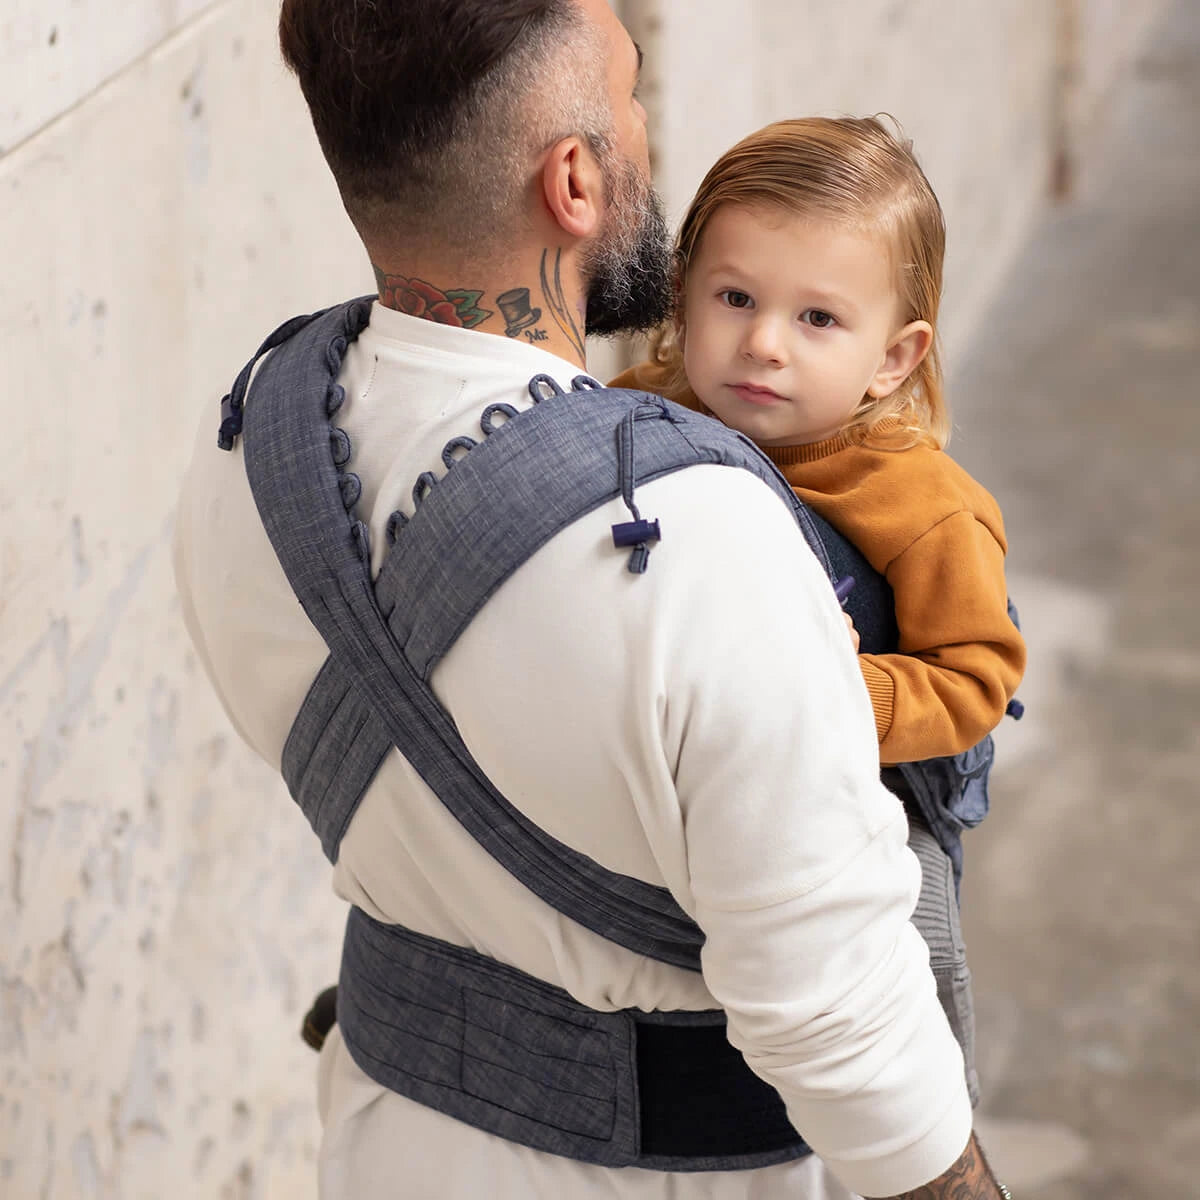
516 1057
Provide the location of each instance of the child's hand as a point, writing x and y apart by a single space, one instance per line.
853 631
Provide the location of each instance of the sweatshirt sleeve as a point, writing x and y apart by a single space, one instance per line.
796 863
961 657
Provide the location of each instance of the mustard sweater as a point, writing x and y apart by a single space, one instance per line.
938 538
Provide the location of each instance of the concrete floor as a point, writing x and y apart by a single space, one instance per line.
1078 405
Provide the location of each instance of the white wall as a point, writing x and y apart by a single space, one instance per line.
53 53
165 911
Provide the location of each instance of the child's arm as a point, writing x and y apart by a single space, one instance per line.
960 656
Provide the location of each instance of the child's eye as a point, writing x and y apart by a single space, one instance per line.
818 318
736 299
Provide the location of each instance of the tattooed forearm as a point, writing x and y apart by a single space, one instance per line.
970 1178
556 300
446 306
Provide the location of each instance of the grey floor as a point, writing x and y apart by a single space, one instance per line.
1079 407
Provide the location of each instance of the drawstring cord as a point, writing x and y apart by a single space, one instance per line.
637 533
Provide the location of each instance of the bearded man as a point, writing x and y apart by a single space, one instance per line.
647 727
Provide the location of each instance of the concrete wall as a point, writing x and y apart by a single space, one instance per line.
55 53
165 913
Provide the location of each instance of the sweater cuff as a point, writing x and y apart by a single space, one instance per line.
917 1164
881 687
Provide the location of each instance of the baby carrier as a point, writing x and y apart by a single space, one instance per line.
443 1025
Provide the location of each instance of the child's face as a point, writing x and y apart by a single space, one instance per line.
788 323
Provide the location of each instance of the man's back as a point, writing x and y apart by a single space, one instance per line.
687 727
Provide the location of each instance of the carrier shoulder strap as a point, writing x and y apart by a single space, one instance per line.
533 473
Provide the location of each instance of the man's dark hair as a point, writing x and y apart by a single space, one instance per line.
429 109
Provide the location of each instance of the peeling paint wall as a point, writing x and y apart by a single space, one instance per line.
166 913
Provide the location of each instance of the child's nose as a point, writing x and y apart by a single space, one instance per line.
763 341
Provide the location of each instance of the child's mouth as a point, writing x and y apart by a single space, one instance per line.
754 394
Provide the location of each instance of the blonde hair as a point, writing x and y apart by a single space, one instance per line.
856 172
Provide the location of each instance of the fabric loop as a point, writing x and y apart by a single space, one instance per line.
350 486
334 353
425 484
396 522
458 443
487 422
339 445
538 386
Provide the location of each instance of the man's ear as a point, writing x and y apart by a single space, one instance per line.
904 354
573 188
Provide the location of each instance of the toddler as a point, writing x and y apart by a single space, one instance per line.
809 270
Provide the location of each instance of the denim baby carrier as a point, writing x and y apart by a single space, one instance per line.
442 1025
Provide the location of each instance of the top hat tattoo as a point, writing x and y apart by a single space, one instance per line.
514 307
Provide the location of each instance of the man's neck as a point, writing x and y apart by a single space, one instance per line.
538 301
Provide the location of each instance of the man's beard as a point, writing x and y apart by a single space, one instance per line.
628 267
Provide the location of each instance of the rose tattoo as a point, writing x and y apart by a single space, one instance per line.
454 306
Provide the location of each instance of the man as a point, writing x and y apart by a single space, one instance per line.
492 156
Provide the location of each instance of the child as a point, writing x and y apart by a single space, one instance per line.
809 271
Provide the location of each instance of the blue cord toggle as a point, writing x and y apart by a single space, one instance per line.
639 560
633 533
231 423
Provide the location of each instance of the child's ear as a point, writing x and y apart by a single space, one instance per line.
904 354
